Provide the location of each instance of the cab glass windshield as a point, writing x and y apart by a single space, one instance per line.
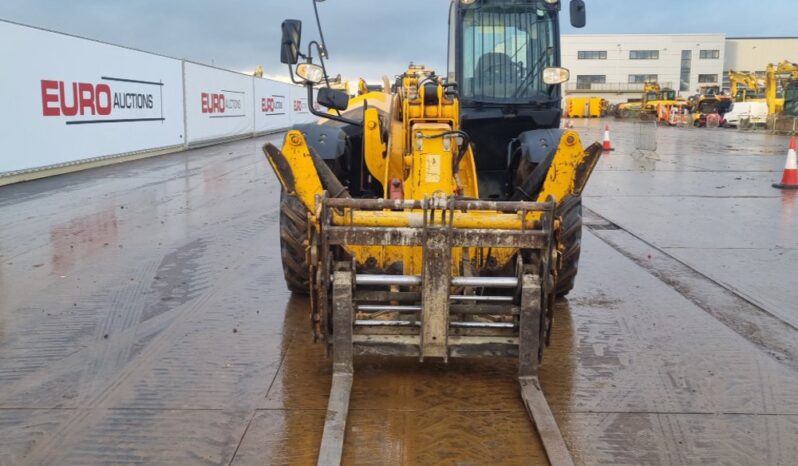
505 49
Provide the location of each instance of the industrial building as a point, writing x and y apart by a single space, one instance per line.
615 66
754 53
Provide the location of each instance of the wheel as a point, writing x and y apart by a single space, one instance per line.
570 210
293 237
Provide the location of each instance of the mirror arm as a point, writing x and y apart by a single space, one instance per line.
319 114
321 59
320 49
293 79
323 48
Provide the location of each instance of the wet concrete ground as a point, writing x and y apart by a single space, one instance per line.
144 319
713 204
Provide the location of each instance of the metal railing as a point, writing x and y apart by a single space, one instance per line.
621 87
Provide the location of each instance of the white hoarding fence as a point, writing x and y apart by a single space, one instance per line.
299 106
218 103
272 105
77 99
71 100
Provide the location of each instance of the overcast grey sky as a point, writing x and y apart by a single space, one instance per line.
365 37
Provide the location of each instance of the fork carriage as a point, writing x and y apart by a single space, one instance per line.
477 310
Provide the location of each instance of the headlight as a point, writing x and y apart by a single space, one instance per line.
468 2
552 2
310 72
552 76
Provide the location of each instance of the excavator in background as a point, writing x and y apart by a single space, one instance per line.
773 81
657 103
791 98
628 109
441 219
661 103
749 109
752 91
784 115
651 93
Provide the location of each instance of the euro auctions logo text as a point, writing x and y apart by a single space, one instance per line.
301 106
273 105
223 104
110 100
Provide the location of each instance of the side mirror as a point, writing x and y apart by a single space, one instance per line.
292 37
578 16
333 99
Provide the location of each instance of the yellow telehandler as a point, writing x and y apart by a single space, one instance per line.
439 218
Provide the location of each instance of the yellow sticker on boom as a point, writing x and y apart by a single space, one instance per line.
433 165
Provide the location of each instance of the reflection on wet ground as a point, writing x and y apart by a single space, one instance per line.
706 197
144 319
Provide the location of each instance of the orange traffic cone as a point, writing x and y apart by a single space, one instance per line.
607 143
790 178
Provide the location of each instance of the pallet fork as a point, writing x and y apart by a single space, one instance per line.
448 316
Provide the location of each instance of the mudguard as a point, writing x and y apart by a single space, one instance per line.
328 141
540 144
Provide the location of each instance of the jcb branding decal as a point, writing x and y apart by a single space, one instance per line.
111 100
273 105
223 104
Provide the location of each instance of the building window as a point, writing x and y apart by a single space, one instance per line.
684 76
644 54
709 54
642 78
591 55
586 81
707 78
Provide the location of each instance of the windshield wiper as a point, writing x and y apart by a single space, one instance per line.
533 72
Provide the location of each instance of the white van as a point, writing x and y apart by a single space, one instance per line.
756 113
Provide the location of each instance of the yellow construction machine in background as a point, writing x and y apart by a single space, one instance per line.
656 103
440 220
783 75
783 116
751 92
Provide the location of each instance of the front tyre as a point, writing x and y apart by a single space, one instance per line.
294 228
570 210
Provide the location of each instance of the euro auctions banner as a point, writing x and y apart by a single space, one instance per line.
272 105
300 112
75 99
218 103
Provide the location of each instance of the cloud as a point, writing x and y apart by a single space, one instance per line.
366 37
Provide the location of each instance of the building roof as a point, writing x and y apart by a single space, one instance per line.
651 35
681 34
764 38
